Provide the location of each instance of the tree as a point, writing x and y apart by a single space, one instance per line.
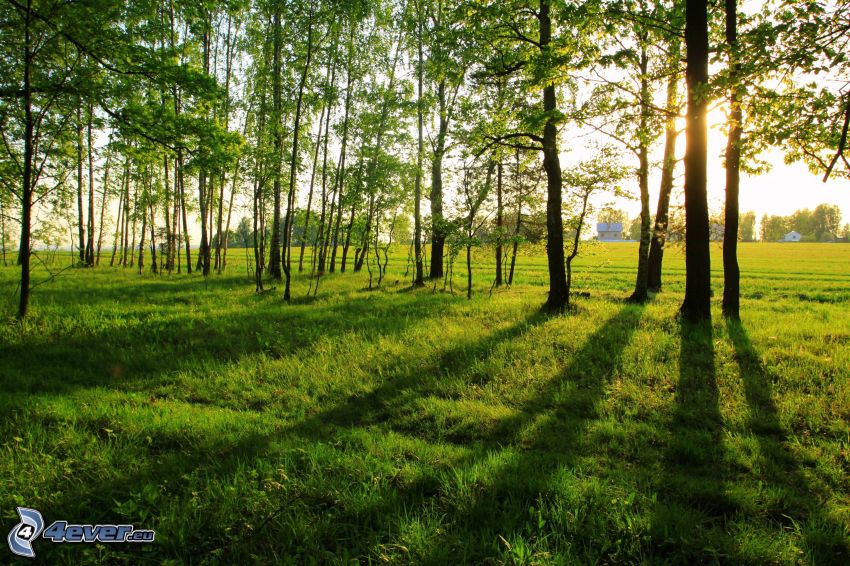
475 191
522 45
731 271
610 215
668 167
641 53
599 173
446 68
697 304
827 221
419 277
636 228
747 227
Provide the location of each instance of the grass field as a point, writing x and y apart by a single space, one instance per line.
420 427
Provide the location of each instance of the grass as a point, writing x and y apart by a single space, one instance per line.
412 426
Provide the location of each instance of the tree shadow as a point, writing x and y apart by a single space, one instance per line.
797 500
509 465
548 434
692 501
166 478
118 353
399 390
169 459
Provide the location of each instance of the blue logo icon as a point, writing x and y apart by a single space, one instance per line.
31 527
21 536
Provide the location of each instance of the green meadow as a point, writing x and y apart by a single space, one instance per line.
400 425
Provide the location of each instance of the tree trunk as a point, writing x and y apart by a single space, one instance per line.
293 164
80 215
135 219
516 243
313 179
119 224
558 293
141 263
274 259
419 278
104 198
187 241
364 249
220 237
500 222
731 271
659 232
640 294
169 235
233 186
126 229
26 189
348 237
90 238
697 304
438 228
204 251
153 238
468 271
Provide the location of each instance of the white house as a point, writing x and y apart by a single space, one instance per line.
609 231
792 236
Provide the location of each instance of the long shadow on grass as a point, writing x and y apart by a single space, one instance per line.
825 540
399 391
520 452
692 503
142 353
547 434
158 494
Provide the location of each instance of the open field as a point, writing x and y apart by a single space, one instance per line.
417 426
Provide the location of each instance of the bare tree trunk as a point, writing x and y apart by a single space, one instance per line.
731 271
104 199
500 222
26 188
90 238
312 185
187 241
119 225
3 233
220 225
659 233
348 230
697 304
364 249
166 208
153 237
293 165
640 294
142 206
135 219
419 278
558 293
275 259
516 242
438 228
80 215
229 212
126 229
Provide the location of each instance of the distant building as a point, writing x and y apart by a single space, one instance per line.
609 231
792 236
